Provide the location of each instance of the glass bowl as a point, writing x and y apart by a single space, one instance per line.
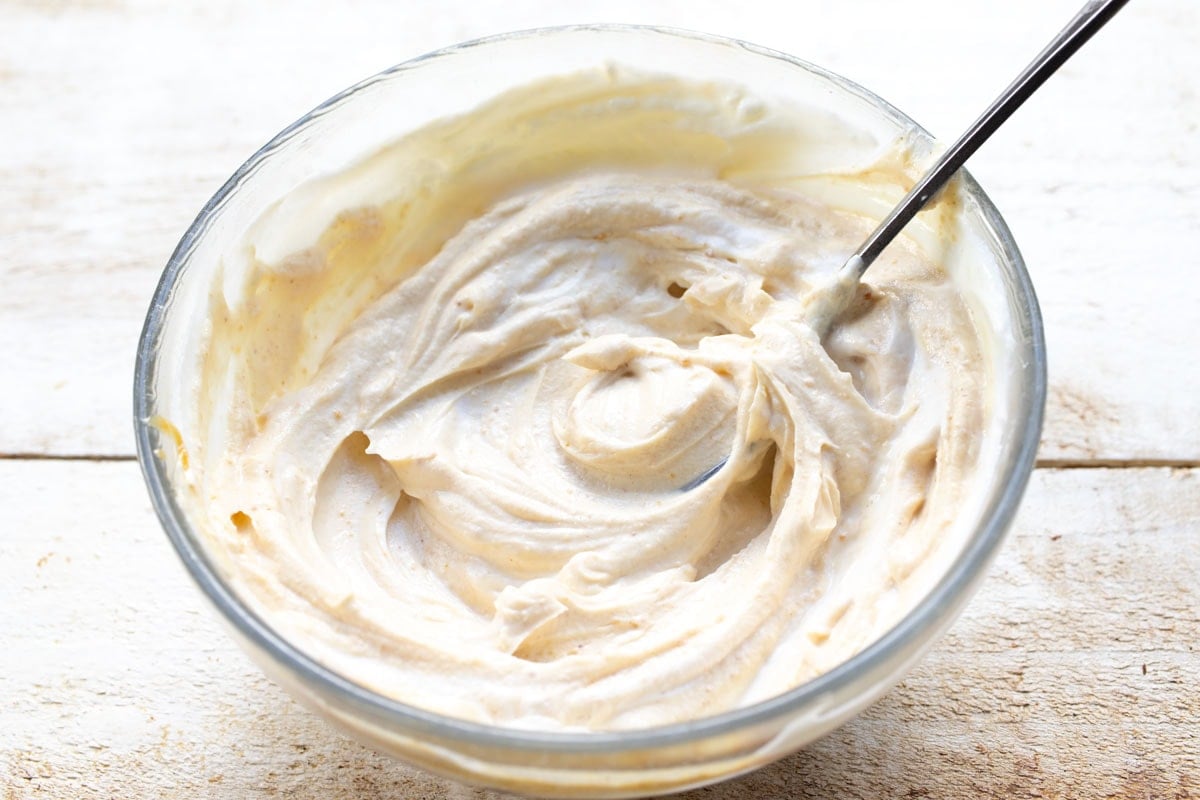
602 764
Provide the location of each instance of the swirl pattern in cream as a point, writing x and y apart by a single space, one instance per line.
460 446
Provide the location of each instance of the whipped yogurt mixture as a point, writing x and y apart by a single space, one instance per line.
460 404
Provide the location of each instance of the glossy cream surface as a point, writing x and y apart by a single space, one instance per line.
458 406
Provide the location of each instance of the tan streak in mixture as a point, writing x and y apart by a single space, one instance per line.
446 438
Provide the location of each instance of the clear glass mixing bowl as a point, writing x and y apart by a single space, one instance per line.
608 764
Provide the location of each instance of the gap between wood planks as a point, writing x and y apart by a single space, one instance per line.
67 457
1115 463
1041 463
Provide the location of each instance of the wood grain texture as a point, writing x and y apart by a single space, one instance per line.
1074 673
122 118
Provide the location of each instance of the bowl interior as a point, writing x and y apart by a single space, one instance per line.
455 80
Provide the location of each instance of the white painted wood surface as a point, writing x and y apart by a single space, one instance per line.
121 119
1073 674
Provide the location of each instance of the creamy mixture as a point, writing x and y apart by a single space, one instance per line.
462 403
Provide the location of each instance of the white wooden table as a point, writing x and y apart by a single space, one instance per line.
1074 673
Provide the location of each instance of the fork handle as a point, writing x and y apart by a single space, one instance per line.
1090 19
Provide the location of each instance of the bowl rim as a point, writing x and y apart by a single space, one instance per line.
954 585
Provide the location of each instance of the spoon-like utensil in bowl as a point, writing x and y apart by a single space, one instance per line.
828 301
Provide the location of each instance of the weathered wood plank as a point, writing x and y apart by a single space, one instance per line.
120 119
1073 674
